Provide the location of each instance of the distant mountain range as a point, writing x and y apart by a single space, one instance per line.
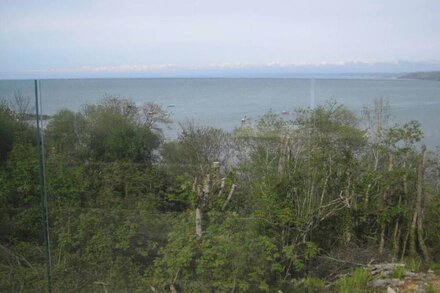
431 75
354 69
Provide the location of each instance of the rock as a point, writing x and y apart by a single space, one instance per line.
391 290
378 283
382 278
396 282
387 266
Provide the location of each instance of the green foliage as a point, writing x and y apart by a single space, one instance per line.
433 225
414 264
399 272
63 132
313 284
116 129
232 256
331 124
122 217
12 130
408 134
20 226
195 150
19 195
433 288
7 125
356 282
176 258
435 266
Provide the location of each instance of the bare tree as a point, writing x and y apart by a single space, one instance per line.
153 115
21 105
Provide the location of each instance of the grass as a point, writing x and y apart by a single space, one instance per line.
356 282
399 272
414 264
313 284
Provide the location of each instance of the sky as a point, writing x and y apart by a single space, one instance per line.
79 38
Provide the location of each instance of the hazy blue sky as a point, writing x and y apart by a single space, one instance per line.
80 37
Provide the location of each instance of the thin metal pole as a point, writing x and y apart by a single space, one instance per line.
43 198
44 173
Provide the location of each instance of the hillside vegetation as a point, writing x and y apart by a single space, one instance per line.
432 75
256 210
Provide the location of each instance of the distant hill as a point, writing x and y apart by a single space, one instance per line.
432 75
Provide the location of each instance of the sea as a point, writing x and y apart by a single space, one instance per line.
225 102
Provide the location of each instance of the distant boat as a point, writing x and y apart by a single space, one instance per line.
243 120
285 112
170 105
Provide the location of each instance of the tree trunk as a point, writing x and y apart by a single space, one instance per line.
199 200
384 206
397 229
231 193
412 235
416 230
396 239
420 204
199 222
212 187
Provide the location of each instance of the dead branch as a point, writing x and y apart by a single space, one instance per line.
233 187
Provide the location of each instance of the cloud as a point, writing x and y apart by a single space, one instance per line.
107 69
230 68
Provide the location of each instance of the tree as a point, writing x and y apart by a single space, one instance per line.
195 150
12 129
115 129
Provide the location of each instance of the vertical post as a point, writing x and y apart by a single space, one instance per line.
43 197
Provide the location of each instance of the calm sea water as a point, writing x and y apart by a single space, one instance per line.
224 102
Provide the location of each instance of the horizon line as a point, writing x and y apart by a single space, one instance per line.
269 69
